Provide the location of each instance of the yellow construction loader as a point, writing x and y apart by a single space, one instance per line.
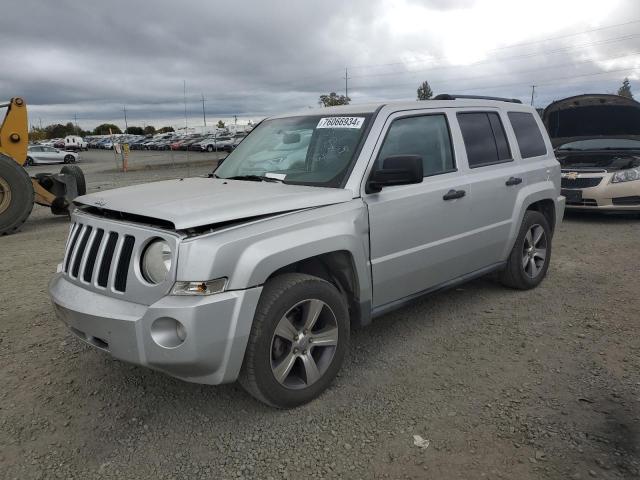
19 191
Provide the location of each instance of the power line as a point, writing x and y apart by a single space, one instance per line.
514 45
511 72
499 59
556 80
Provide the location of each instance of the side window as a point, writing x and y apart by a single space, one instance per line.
530 141
484 138
427 136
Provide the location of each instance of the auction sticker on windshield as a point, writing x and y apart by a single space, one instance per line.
340 122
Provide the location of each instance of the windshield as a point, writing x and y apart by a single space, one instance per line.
602 144
309 150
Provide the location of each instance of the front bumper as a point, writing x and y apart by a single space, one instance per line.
217 329
606 196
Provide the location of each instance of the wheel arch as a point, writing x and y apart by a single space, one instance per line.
338 268
541 197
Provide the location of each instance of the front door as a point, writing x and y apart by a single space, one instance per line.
418 232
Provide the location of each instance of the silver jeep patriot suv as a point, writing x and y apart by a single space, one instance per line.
316 222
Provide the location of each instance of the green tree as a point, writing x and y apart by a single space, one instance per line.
134 130
149 130
333 99
57 130
165 130
220 124
424 91
36 134
625 89
104 129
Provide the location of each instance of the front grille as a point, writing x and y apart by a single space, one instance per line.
633 200
89 246
580 182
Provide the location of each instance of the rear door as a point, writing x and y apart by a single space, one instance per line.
495 178
417 232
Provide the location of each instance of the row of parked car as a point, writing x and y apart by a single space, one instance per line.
171 141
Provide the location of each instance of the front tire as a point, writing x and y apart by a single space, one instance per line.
69 159
529 259
298 341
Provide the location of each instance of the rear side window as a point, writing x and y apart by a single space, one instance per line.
425 135
484 138
530 141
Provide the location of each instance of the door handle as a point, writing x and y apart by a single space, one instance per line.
513 181
453 194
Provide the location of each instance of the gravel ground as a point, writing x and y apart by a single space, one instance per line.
502 384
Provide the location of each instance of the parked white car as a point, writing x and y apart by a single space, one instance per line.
40 154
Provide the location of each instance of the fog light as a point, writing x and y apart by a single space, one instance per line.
168 332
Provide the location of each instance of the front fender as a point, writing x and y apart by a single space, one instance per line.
247 255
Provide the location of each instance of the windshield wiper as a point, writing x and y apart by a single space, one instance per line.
253 178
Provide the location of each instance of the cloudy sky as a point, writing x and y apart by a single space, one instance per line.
251 58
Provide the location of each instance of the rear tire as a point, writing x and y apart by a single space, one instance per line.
69 159
28 162
529 259
76 172
16 195
301 322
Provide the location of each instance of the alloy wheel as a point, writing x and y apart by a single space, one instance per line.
534 251
304 344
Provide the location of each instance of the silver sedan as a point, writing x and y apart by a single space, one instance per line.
39 154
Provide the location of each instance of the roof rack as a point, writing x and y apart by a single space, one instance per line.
446 96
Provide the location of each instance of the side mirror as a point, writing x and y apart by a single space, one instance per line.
396 170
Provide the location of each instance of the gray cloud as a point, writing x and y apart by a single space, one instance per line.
253 58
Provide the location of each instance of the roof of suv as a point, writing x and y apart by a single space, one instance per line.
410 105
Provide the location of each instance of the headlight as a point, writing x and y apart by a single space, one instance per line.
156 261
199 288
626 175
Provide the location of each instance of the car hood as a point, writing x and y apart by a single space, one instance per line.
592 116
195 202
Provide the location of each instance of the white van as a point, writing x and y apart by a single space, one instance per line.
74 142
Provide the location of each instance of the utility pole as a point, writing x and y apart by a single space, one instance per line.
204 116
346 82
184 89
75 118
533 90
126 126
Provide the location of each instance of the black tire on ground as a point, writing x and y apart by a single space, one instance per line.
79 176
209 148
28 161
69 159
16 203
280 295
517 273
